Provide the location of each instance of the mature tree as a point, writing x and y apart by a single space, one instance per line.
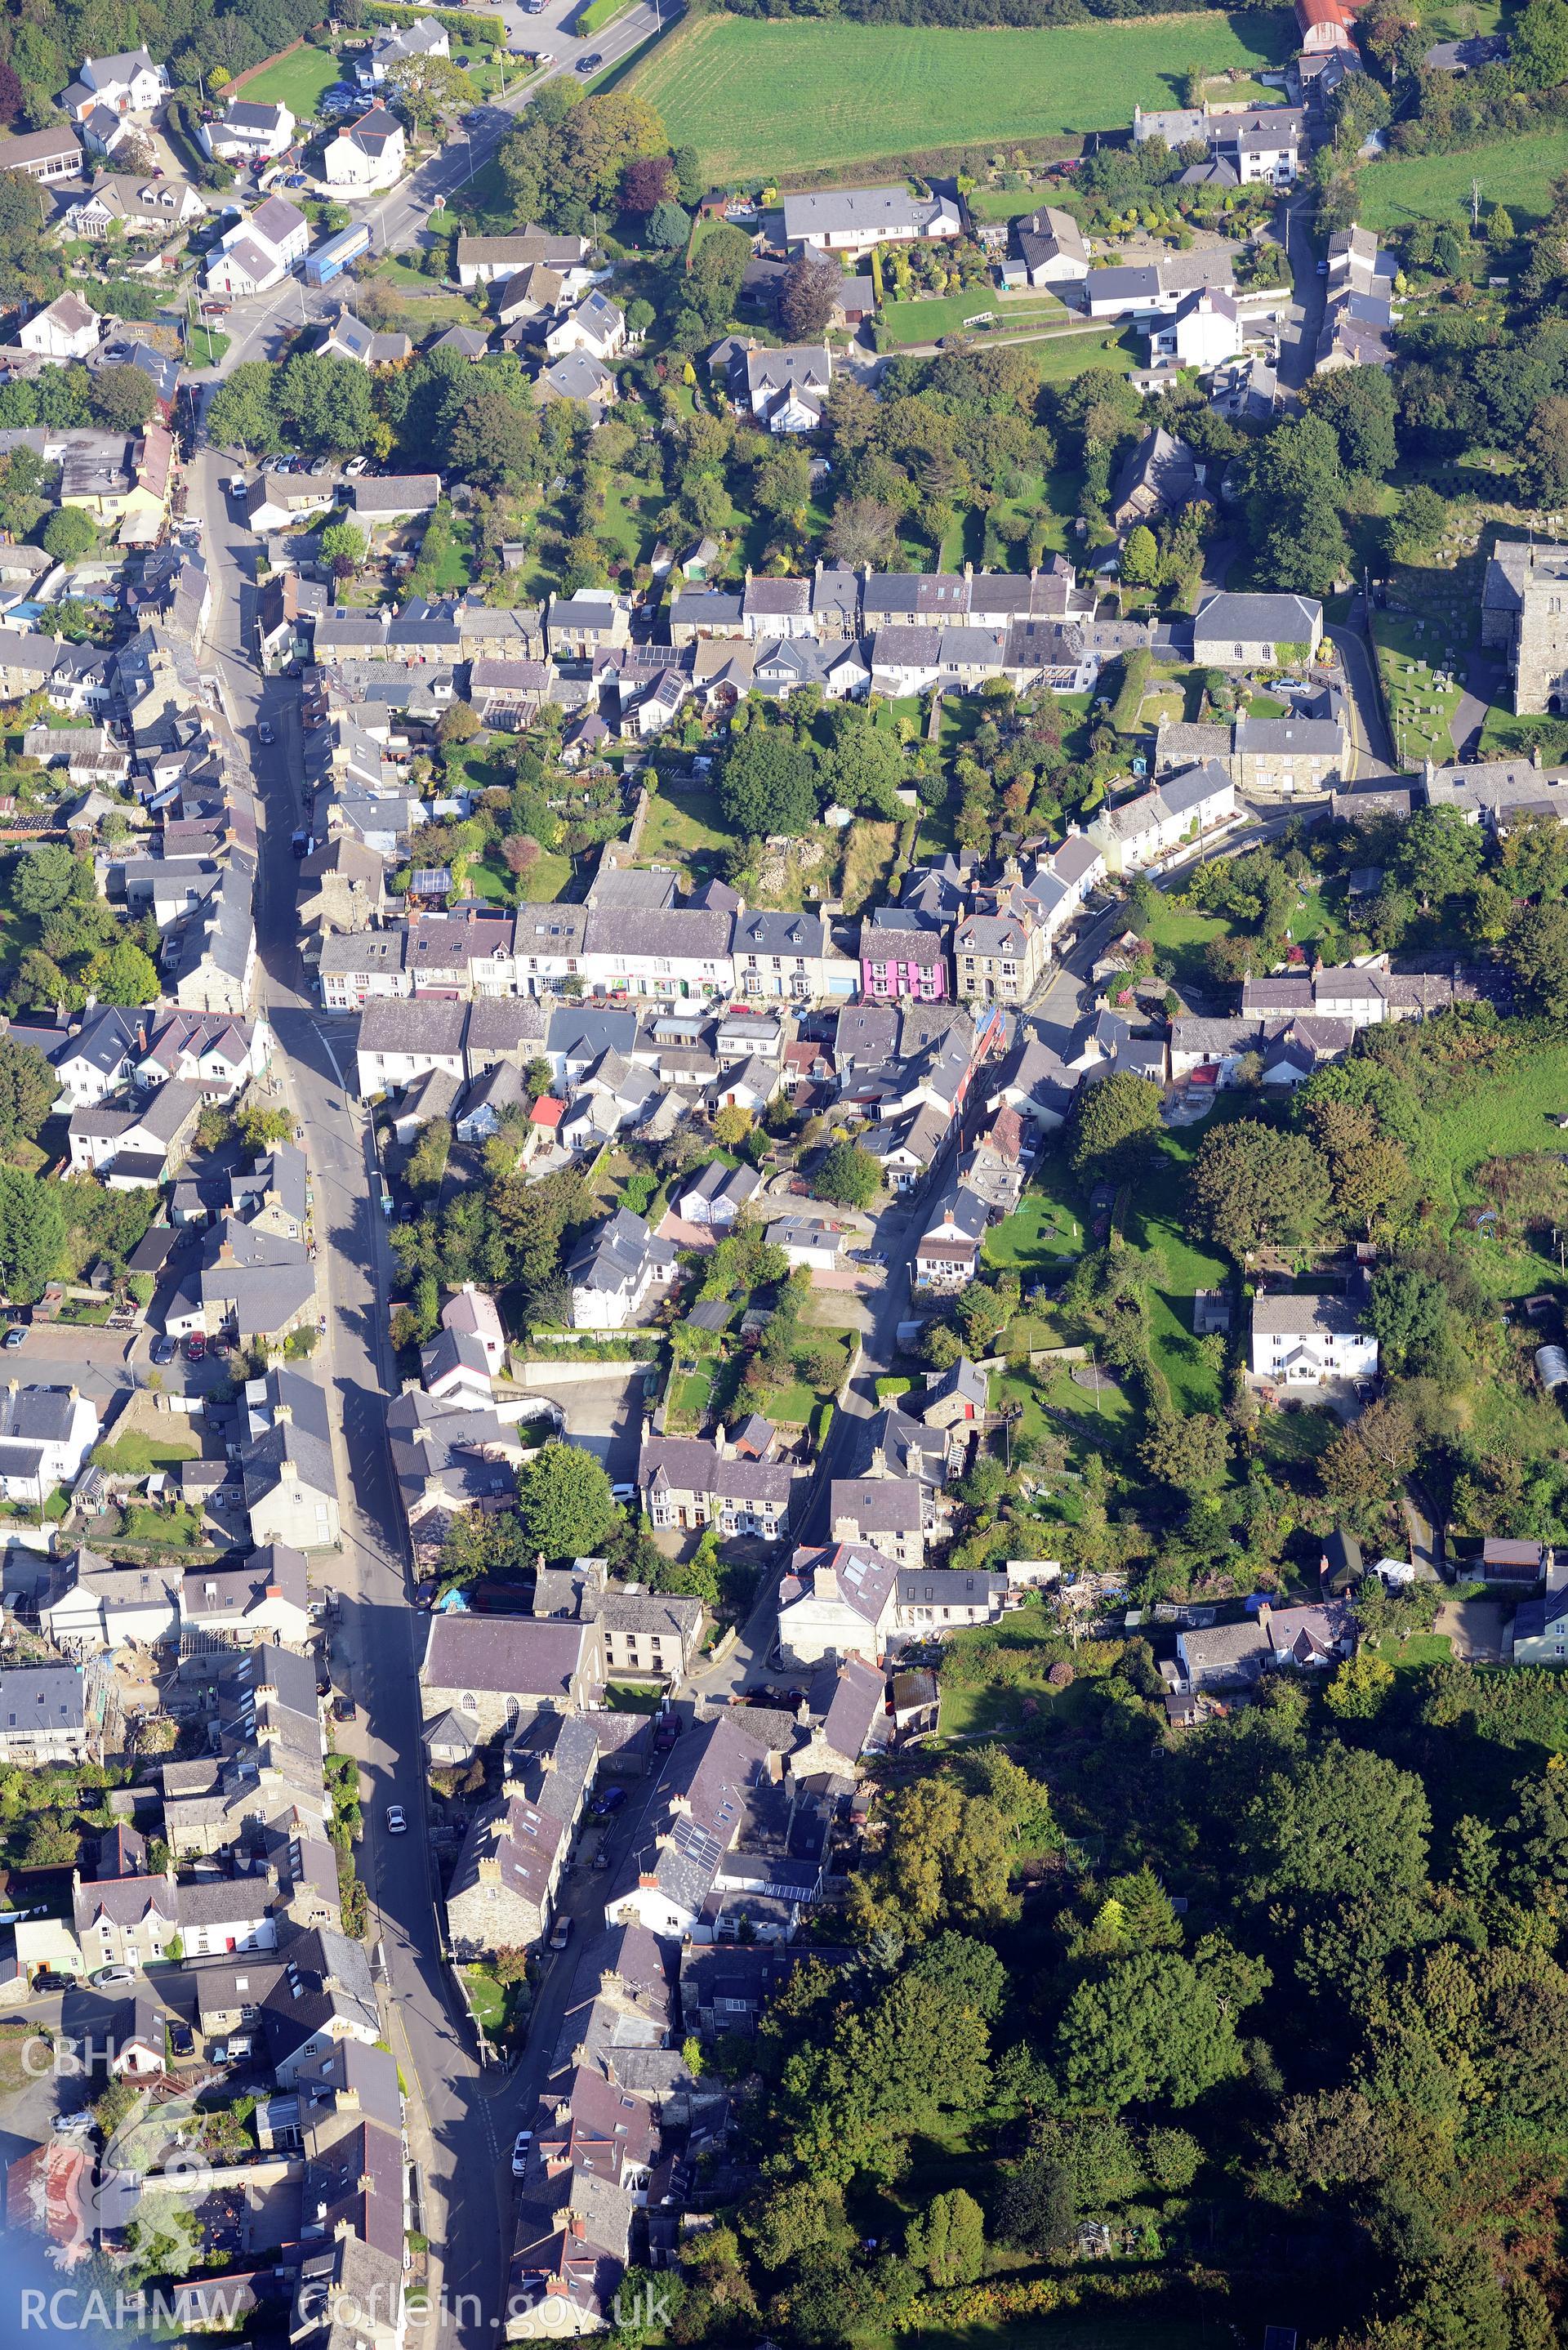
847 1176
1536 953
732 1124
967 1971
646 182
459 722
1034 2208
1293 514
1252 1185
1141 558
862 532
1190 1451
1439 854
32 1230
948 2241
600 138
564 1503
122 398
888 2068
21 490
1358 401
69 533
27 1090
11 93
712 284
1344 1824
781 484
1538 45
808 293
1115 1124
44 878
326 402
669 225
1153 2027
428 86
121 975
1409 1315
865 766
344 548
765 785
242 414
493 437
1370 1457
948 1859
1359 1687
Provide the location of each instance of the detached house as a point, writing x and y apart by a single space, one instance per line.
614 1271
1255 631
853 219
786 390
1307 1340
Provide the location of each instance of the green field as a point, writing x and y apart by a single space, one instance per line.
926 321
756 97
1517 173
298 81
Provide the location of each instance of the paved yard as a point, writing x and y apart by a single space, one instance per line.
603 1416
1477 1628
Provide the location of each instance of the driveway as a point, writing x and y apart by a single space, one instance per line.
604 1417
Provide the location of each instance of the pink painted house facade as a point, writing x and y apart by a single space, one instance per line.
896 963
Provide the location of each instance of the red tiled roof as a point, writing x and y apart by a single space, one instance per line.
548 1112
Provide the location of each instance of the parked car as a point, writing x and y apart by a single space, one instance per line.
397 1820
108 1976
561 1934
345 1710
50 1979
16 1335
165 1349
265 733
195 1346
610 1801
520 2145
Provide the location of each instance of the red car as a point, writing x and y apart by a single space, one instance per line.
195 1346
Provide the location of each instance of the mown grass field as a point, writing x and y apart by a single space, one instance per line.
1516 172
298 81
756 99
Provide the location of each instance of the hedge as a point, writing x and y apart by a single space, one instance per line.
594 19
467 28
1137 669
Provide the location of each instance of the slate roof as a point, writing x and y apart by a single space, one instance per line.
518 1656
688 1465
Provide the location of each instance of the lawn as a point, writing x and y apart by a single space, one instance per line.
135 1454
1032 1240
927 320
685 827
296 82
1159 1217
1421 713
1515 172
757 98
1061 356
540 885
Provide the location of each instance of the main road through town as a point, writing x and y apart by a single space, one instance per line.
462 2115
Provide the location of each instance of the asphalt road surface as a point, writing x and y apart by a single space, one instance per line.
461 2118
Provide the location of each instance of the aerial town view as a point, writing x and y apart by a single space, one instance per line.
784 1174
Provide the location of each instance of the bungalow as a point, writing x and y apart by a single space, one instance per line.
853 221
1052 249
42 155
716 1194
807 1242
